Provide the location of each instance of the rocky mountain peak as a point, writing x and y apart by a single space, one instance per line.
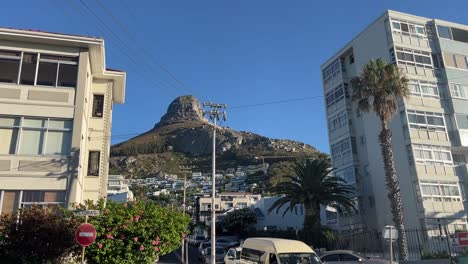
182 109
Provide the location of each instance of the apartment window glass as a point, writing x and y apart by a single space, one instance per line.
10 201
444 32
424 88
347 174
9 128
338 121
432 154
337 94
58 70
460 35
67 76
93 163
440 191
35 136
414 57
331 71
341 149
47 73
98 105
9 66
426 120
460 60
28 68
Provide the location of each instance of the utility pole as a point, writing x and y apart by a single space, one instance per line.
214 112
185 170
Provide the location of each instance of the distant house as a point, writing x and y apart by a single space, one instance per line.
118 190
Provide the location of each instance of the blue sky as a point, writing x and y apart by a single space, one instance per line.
236 52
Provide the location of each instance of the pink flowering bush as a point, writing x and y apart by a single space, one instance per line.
136 232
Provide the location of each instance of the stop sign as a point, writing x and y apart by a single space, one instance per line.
85 234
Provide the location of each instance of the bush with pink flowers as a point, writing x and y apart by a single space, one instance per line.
135 232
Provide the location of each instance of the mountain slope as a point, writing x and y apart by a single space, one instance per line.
183 135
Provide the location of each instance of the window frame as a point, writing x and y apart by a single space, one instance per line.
432 150
91 172
331 71
17 58
426 126
399 51
410 25
454 57
458 87
74 59
442 195
95 105
21 127
22 204
338 121
420 92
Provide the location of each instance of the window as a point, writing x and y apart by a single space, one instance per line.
253 255
351 59
423 88
348 257
98 105
459 90
455 61
440 191
28 68
331 258
414 57
331 71
38 69
444 32
432 154
35 136
426 120
338 121
408 28
93 163
11 199
460 35
347 174
337 94
9 66
341 149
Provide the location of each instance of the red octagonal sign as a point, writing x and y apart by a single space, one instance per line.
85 234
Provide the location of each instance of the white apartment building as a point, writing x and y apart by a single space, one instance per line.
224 202
56 99
430 129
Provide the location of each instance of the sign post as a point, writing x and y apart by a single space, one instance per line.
390 233
85 234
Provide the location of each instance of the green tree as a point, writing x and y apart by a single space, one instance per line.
37 235
312 186
378 89
237 221
135 232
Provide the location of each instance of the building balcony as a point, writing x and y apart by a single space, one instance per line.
434 171
418 71
427 136
462 170
411 40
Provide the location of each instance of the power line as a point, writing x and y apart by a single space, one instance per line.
277 102
130 54
126 31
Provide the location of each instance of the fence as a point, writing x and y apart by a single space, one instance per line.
422 243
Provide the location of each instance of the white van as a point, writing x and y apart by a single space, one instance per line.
277 251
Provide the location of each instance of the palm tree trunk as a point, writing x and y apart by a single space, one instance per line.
311 216
393 186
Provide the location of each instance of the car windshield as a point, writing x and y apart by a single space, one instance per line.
205 245
298 258
219 251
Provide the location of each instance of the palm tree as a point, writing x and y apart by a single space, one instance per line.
312 186
378 89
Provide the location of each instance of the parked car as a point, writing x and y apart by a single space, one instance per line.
197 240
233 256
347 256
201 249
220 252
276 250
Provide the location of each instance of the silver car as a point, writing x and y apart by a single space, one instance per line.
347 256
220 252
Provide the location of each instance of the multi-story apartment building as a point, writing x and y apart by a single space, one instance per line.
56 98
430 129
223 203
